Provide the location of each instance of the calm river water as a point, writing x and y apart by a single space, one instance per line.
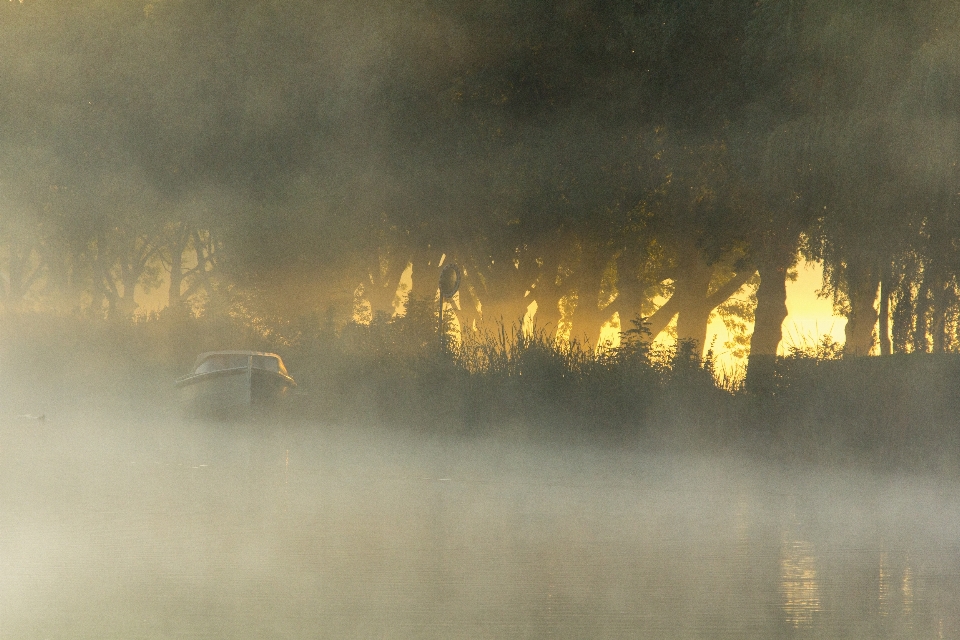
145 528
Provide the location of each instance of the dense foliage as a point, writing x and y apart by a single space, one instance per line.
267 161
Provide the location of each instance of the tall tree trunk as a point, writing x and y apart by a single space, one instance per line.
382 290
903 314
697 308
198 277
426 273
467 314
127 303
696 303
549 287
504 300
177 244
692 321
690 290
921 309
174 296
886 281
548 294
862 283
548 312
941 303
20 275
629 291
588 316
771 308
768 322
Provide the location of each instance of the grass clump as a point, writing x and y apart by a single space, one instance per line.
390 370
810 402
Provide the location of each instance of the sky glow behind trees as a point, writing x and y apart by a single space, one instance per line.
290 157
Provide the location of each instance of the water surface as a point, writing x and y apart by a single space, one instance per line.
154 528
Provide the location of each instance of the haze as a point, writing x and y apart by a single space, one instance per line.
583 453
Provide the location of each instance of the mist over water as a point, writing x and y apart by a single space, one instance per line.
275 170
116 525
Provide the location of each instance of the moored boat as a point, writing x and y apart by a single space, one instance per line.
226 383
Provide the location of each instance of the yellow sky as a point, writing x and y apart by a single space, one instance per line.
809 317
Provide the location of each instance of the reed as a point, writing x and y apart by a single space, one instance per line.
816 405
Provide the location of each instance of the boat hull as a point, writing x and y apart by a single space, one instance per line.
233 392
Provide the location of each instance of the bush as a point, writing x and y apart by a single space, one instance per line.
895 410
391 370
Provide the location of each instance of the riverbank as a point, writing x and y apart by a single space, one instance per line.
899 411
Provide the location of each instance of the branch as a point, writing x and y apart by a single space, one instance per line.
729 288
662 316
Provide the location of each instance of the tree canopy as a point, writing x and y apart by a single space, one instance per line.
634 157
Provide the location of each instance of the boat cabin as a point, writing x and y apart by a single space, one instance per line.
227 383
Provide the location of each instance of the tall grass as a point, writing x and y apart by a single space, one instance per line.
393 370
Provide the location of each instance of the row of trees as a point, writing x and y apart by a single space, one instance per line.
596 158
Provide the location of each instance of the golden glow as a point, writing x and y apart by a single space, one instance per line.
798 582
809 316
609 334
566 306
403 289
528 318
884 586
906 588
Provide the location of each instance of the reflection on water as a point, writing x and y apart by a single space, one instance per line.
884 586
906 587
153 530
798 575
897 596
